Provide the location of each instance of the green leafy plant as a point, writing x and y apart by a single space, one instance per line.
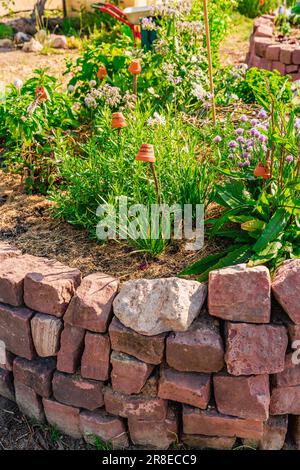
253 8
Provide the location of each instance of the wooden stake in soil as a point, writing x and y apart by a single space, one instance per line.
210 67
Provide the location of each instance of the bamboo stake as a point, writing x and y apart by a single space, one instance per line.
210 67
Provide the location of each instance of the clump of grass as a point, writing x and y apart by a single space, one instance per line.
6 31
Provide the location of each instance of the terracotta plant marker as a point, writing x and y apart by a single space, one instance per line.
102 72
135 69
146 154
262 171
118 121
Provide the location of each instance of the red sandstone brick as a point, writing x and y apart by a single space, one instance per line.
200 349
71 348
159 435
295 76
95 359
290 376
91 306
285 400
29 402
46 331
75 391
296 56
273 52
294 332
291 68
211 423
275 430
138 406
6 384
50 287
12 277
149 349
244 397
185 387
63 417
239 293
279 66
110 429
264 31
128 374
286 288
15 330
255 349
260 46
36 374
286 54
208 442
295 429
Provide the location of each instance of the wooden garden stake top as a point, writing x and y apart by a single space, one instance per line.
210 67
135 69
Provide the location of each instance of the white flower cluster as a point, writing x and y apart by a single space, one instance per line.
156 120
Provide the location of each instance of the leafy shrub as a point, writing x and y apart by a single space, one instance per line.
254 8
6 31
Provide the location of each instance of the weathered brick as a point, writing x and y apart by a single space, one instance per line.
286 54
50 287
286 288
29 402
159 435
196 441
64 418
8 251
139 406
95 359
255 349
285 400
291 68
149 349
128 374
6 384
296 56
290 376
264 31
12 277
295 430
260 45
185 387
211 423
244 397
46 331
110 429
279 66
273 52
71 349
294 332
274 434
200 349
239 293
15 330
91 306
6 357
75 391
36 374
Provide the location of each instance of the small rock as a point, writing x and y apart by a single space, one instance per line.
154 306
46 332
6 44
286 288
21 37
32 46
58 42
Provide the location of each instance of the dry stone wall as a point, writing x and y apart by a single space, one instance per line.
219 371
266 52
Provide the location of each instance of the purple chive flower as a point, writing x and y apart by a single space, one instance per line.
240 139
253 131
264 148
233 144
244 118
262 138
256 133
230 156
262 114
254 122
247 163
297 123
217 139
240 131
240 164
246 155
289 159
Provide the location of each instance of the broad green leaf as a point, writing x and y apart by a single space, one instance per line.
202 265
273 229
253 225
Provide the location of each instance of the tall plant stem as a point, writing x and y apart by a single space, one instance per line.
155 182
210 66
135 85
